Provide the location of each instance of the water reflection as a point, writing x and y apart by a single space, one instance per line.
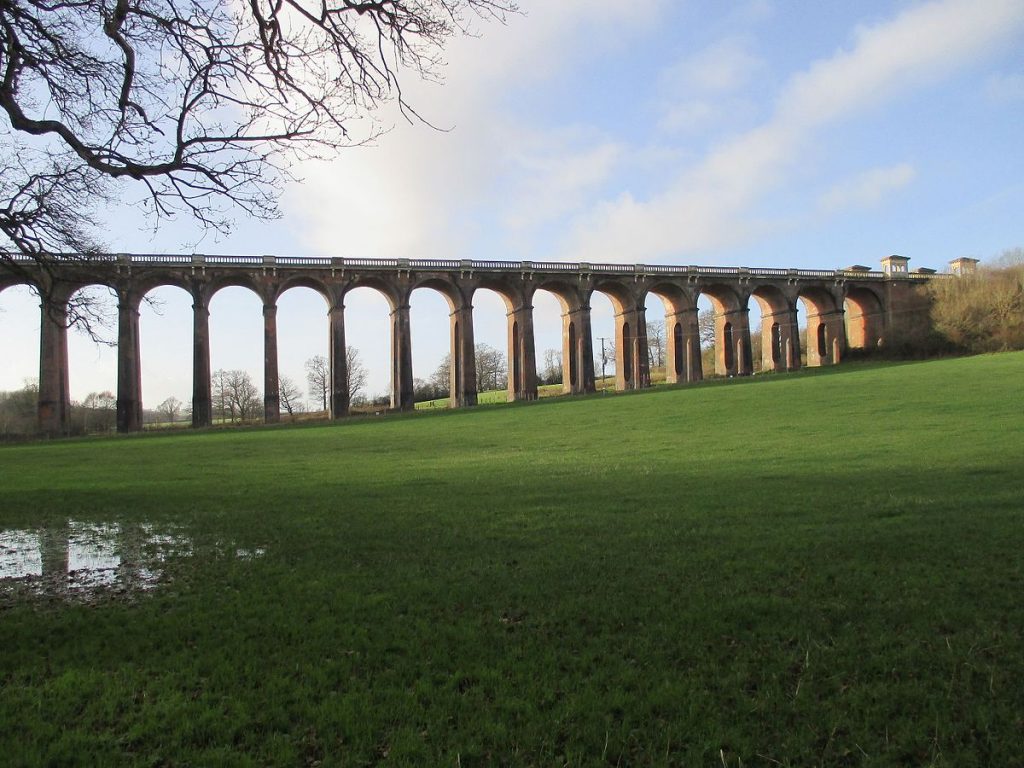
83 560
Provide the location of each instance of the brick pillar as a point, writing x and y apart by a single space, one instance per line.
129 368
682 358
271 383
401 360
826 338
202 400
54 400
577 352
733 351
836 336
522 355
340 396
632 357
462 370
777 354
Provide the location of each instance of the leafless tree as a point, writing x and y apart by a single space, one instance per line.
491 368
440 379
219 392
235 395
552 371
706 327
656 342
290 396
199 106
356 372
318 378
170 409
96 412
604 356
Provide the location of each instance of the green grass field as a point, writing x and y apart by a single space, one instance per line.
820 569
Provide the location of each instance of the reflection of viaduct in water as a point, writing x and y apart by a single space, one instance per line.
846 308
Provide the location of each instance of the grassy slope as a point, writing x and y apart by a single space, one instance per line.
811 570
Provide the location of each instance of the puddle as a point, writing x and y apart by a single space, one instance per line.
87 561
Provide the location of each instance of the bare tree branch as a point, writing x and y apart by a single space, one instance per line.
203 105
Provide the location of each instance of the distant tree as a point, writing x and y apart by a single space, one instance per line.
984 311
357 373
604 357
440 379
97 412
290 396
318 377
424 389
491 368
235 396
170 409
706 327
246 396
551 372
755 348
18 410
656 342
219 392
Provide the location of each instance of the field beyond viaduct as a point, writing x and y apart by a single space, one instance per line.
822 568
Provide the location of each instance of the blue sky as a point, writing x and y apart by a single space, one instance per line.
657 131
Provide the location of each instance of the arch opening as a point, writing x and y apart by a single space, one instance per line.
822 328
865 320
165 351
435 334
729 326
92 364
497 344
19 347
370 332
606 338
549 306
236 357
304 354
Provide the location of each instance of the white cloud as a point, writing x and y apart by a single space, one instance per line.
867 189
408 196
557 177
708 206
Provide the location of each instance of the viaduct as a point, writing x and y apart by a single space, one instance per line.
846 308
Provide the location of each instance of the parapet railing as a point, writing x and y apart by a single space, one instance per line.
464 265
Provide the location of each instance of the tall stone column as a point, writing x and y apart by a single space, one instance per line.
683 357
271 382
462 373
340 395
202 399
129 367
577 351
632 357
54 398
522 355
402 396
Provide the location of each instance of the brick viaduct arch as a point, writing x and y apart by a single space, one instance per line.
881 305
